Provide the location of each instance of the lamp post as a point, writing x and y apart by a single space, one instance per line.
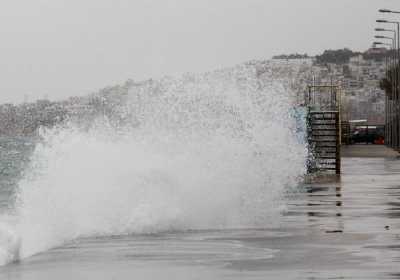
387 30
388 103
388 11
387 64
395 99
398 30
392 46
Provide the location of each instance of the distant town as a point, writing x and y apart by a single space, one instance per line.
24 119
360 75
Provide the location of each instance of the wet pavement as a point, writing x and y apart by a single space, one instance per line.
348 229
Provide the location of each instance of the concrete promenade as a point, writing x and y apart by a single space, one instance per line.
352 224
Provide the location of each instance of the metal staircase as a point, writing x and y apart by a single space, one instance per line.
323 140
323 127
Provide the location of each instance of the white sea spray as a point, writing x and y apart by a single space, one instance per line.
214 150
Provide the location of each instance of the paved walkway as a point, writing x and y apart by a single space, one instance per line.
368 151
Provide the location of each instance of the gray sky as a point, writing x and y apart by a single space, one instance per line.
59 48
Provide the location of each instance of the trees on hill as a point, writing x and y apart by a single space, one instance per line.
341 56
291 56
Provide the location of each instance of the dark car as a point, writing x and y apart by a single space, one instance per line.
368 134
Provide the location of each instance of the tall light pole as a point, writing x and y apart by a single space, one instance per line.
377 43
388 107
397 35
395 117
392 46
387 61
388 103
398 29
393 22
387 30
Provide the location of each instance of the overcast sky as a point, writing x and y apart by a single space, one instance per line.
59 48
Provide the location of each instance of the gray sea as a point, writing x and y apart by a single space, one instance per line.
348 229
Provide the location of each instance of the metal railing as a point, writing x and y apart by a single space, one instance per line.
324 128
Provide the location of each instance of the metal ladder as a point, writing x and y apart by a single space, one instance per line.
324 141
324 128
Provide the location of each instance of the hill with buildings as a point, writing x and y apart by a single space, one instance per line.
361 75
358 73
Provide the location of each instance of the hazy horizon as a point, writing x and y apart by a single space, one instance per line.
56 49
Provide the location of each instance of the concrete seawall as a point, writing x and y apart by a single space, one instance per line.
368 151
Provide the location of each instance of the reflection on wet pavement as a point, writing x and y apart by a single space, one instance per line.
354 221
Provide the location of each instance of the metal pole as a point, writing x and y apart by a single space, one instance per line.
394 119
397 69
395 110
392 107
386 105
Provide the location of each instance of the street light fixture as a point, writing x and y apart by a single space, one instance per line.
381 43
384 30
398 30
396 47
383 37
388 11
397 36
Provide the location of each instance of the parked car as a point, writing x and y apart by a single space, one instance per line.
368 134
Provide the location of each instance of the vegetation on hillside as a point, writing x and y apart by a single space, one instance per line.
291 56
386 83
341 56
